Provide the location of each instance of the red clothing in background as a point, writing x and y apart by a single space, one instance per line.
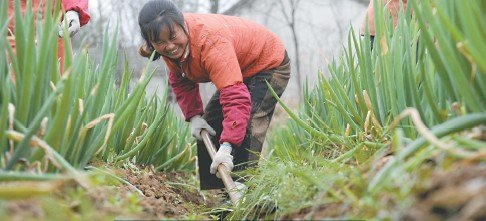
80 6
393 6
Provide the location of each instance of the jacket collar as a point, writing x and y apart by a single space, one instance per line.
187 50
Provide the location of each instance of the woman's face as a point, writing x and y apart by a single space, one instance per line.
171 44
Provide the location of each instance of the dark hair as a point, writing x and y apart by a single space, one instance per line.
154 16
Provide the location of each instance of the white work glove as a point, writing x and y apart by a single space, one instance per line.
71 19
197 124
223 156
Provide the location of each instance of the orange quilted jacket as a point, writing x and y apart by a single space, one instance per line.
225 49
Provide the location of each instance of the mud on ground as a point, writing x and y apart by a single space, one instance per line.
457 194
165 196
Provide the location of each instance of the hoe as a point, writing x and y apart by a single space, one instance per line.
228 182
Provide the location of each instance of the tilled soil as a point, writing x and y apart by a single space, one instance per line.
458 194
165 196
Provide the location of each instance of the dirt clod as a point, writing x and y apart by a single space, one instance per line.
459 194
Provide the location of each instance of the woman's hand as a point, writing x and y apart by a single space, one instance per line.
71 19
197 124
223 156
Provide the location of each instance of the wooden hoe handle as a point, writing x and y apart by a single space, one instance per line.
228 182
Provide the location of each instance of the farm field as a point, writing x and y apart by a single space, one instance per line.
397 132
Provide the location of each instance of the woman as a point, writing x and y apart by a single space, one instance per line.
393 6
234 54
76 15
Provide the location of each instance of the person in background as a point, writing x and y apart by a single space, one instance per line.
76 15
393 6
238 57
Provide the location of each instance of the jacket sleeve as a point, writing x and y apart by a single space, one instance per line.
187 95
236 103
80 6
